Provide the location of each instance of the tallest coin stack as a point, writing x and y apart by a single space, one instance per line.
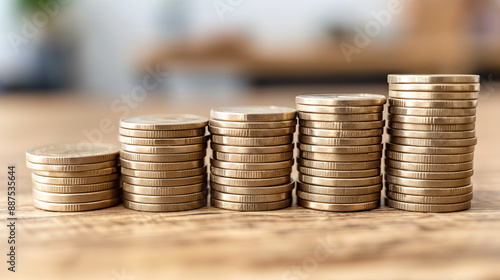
431 147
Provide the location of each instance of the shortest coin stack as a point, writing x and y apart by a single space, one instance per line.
74 177
252 157
163 162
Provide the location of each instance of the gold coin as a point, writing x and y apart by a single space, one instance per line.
429 175
340 133
340 149
164 149
345 207
429 150
76 197
253 125
432 120
76 188
433 79
338 199
422 103
250 198
75 207
433 142
161 133
253 113
437 95
340 182
429 167
340 157
163 141
339 109
161 166
342 125
251 166
74 180
430 191
327 141
288 187
251 150
238 132
165 199
89 173
333 165
263 206
260 174
431 134
341 99
339 190
432 127
163 157
432 112
71 167
423 158
167 207
252 157
424 199
427 183
171 182
146 190
339 173
252 141
165 122
82 153
340 117
432 208
249 183
164 174
435 87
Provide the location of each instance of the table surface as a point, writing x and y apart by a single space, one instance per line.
294 243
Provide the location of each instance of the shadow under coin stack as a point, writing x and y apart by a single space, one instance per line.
74 177
163 162
431 147
340 150
252 157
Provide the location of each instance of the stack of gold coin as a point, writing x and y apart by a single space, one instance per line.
431 146
74 177
252 157
340 150
162 160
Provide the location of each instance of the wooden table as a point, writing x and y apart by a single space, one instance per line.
294 243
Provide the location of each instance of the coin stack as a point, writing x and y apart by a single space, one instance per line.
252 157
74 177
340 150
431 147
163 162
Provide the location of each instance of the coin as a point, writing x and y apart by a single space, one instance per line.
340 182
326 141
167 207
432 112
253 113
82 153
422 158
260 174
429 175
89 173
165 122
265 132
249 183
288 187
340 133
75 188
252 141
429 150
431 134
339 190
430 191
253 125
338 173
176 190
163 141
432 120
340 149
75 207
164 149
264 206
433 208
161 199
161 133
338 199
432 127
433 79
435 87
251 166
433 142
71 167
171 182
161 166
74 180
251 150
342 125
253 157
432 167
164 174
252 198
340 157
339 109
345 207
332 165
341 99
437 95
75 197
427 183
340 117
424 199
422 103
162 157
